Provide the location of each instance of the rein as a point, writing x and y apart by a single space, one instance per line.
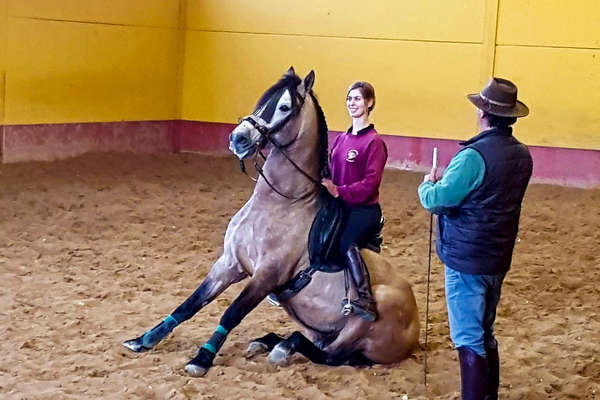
259 169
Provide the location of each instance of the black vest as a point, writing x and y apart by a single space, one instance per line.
478 237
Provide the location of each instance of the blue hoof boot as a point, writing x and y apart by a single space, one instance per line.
136 345
199 365
151 338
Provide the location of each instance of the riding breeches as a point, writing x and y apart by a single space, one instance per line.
360 225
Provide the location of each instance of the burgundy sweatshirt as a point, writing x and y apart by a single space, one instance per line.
357 163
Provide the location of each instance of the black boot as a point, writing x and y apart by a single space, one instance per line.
493 362
473 374
364 306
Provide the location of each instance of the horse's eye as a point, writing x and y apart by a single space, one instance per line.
284 108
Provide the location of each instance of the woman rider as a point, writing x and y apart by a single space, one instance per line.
357 160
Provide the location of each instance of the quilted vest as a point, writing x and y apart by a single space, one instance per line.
478 237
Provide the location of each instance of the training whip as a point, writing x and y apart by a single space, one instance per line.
433 167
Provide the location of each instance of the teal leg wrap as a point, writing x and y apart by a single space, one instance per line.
209 347
216 340
159 332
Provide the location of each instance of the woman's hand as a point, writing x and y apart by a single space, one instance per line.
330 186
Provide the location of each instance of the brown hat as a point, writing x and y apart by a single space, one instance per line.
499 97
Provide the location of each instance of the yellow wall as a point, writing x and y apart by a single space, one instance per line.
2 57
111 60
552 50
222 88
562 88
93 60
451 20
554 23
155 13
422 57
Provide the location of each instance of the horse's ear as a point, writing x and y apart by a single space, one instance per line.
290 71
309 81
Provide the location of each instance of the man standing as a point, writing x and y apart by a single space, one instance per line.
478 202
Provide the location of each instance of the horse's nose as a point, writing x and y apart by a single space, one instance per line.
239 140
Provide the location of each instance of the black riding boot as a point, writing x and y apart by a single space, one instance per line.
364 306
493 362
473 374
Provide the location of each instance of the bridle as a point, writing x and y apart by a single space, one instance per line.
266 134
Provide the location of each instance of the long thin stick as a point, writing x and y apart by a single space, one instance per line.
427 302
433 167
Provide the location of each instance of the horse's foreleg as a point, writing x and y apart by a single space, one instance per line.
220 277
247 300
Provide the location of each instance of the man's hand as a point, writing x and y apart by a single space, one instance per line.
431 176
330 186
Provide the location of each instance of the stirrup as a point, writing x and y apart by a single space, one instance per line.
350 307
271 298
346 307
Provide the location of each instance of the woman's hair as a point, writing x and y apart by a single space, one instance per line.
495 121
367 91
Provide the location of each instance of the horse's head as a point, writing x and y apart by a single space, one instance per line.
273 119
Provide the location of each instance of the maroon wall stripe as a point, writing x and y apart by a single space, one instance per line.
45 142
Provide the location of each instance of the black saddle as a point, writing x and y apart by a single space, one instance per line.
324 234
322 242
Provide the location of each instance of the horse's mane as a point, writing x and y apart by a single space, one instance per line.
291 82
323 139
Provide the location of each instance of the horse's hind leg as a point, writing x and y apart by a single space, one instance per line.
220 277
298 343
344 349
262 344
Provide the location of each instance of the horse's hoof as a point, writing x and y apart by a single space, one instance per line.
135 345
195 371
279 356
199 365
255 348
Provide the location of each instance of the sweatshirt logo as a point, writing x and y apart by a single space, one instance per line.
351 156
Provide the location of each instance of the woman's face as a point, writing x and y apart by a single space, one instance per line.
356 104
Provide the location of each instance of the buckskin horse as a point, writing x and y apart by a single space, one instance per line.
266 243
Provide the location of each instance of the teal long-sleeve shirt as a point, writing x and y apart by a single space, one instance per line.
464 174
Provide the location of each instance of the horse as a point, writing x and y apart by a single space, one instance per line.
266 243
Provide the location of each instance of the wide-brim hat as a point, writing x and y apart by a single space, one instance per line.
499 97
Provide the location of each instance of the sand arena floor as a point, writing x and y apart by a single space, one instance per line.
95 250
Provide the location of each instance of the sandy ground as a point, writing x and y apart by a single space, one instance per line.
97 249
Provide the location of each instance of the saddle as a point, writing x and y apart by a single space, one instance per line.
322 241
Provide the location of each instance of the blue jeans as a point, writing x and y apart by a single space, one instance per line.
472 301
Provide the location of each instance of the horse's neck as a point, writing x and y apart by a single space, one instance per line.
288 219
286 177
